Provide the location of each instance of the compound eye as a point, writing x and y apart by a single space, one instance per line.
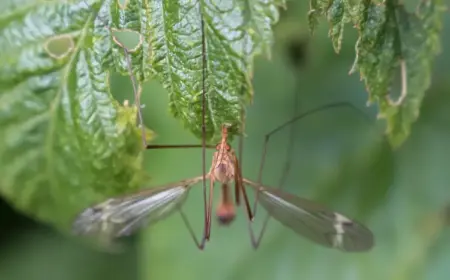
218 147
228 147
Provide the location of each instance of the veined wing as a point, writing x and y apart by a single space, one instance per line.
314 221
122 216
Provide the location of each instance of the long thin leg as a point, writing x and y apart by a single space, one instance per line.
201 244
209 207
137 90
256 240
241 143
239 187
206 207
250 215
287 166
153 147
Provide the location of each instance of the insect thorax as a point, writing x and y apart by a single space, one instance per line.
223 170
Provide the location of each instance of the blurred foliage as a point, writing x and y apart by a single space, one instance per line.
338 159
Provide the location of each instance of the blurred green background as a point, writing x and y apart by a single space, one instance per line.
339 159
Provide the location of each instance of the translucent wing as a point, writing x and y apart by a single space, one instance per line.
314 221
122 216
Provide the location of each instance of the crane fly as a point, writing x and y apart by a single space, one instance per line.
124 215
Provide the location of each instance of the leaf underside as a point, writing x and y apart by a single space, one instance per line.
392 41
234 32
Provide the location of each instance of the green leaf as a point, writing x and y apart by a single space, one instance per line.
65 141
234 31
338 13
336 16
317 8
392 39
